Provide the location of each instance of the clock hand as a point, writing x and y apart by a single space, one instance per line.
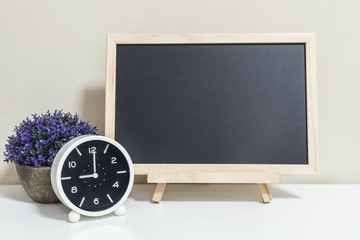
87 176
94 175
94 162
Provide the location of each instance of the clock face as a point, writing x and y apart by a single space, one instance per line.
95 175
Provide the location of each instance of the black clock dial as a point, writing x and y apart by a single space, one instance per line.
95 175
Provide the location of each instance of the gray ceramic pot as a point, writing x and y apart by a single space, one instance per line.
37 183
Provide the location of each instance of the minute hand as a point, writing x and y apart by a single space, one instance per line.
94 162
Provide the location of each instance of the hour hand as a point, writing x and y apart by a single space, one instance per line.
87 176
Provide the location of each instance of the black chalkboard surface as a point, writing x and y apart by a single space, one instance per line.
212 103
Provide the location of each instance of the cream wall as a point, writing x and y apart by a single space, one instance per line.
52 56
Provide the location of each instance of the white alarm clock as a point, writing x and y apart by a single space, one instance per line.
92 175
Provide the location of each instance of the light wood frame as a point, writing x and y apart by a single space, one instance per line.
203 173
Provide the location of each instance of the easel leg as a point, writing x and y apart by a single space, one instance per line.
159 191
264 192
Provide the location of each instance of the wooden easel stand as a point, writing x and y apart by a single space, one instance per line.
261 179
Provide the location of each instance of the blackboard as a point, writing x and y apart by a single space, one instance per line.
213 102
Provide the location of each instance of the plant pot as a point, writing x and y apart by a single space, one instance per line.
37 184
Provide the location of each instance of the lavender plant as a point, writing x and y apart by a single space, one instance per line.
38 139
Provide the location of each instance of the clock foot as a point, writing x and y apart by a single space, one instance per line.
120 210
74 216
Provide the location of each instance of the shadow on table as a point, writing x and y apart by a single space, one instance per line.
207 192
16 193
50 210
56 211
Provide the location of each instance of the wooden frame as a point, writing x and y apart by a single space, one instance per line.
225 173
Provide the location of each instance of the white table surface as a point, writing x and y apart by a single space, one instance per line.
196 212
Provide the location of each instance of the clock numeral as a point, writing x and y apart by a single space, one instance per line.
96 201
74 189
116 184
113 160
92 150
72 164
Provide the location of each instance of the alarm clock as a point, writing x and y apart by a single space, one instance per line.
92 175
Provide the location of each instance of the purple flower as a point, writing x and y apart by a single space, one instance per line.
37 140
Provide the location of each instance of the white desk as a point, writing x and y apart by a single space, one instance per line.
196 212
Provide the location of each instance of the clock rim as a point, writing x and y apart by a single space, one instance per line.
58 164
